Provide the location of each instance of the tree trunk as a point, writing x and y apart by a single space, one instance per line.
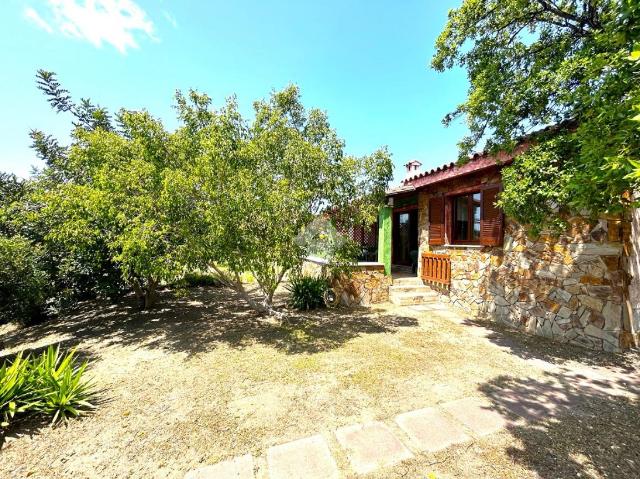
150 293
264 307
139 292
146 294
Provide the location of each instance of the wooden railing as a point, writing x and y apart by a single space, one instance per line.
436 268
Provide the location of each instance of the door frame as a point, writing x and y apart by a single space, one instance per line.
412 211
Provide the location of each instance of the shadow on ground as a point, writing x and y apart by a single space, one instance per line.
576 425
528 346
205 319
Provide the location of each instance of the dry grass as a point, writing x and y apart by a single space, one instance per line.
203 379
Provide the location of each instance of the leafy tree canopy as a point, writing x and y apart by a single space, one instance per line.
221 192
258 184
534 63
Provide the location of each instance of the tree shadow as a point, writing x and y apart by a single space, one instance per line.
207 318
529 347
571 424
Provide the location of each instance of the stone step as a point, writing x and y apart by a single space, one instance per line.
409 281
405 299
410 288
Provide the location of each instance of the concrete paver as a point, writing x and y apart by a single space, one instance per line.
371 446
307 458
476 415
240 467
430 429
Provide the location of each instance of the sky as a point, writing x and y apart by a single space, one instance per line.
365 62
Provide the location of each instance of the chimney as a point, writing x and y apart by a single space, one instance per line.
412 168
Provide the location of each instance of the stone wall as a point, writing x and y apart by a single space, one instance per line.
365 285
632 267
569 287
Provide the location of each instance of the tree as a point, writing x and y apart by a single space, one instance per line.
258 185
23 282
533 63
106 198
220 192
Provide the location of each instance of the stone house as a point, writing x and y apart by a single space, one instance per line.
443 227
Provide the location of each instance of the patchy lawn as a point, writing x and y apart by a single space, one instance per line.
203 378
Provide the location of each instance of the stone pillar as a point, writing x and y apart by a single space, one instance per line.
384 238
423 227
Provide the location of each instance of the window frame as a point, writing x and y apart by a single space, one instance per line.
470 219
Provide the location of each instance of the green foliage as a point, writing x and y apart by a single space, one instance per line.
192 280
15 390
307 292
218 193
536 184
533 63
258 185
70 252
51 384
634 175
23 283
110 199
61 389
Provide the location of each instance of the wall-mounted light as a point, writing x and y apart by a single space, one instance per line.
390 201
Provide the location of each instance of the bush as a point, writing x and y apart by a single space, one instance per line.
51 384
23 282
192 280
60 386
307 292
15 389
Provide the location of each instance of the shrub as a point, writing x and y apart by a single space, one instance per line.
15 390
51 384
192 280
307 292
23 283
60 386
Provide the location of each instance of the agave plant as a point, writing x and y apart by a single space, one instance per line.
61 385
16 389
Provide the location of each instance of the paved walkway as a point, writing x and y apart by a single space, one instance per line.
368 446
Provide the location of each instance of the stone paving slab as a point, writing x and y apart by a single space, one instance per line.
307 458
430 429
476 415
240 467
371 446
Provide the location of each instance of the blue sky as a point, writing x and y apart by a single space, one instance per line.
365 62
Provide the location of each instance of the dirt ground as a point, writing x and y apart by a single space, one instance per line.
202 378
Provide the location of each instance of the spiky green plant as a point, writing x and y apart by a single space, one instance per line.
307 292
61 385
15 389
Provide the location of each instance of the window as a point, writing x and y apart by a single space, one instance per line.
469 218
466 218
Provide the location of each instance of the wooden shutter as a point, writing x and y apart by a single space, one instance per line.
436 220
491 218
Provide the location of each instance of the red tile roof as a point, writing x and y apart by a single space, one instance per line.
479 161
476 163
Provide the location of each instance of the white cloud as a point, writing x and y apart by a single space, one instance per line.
34 17
170 18
116 22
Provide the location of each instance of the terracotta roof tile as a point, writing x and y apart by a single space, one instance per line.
477 162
